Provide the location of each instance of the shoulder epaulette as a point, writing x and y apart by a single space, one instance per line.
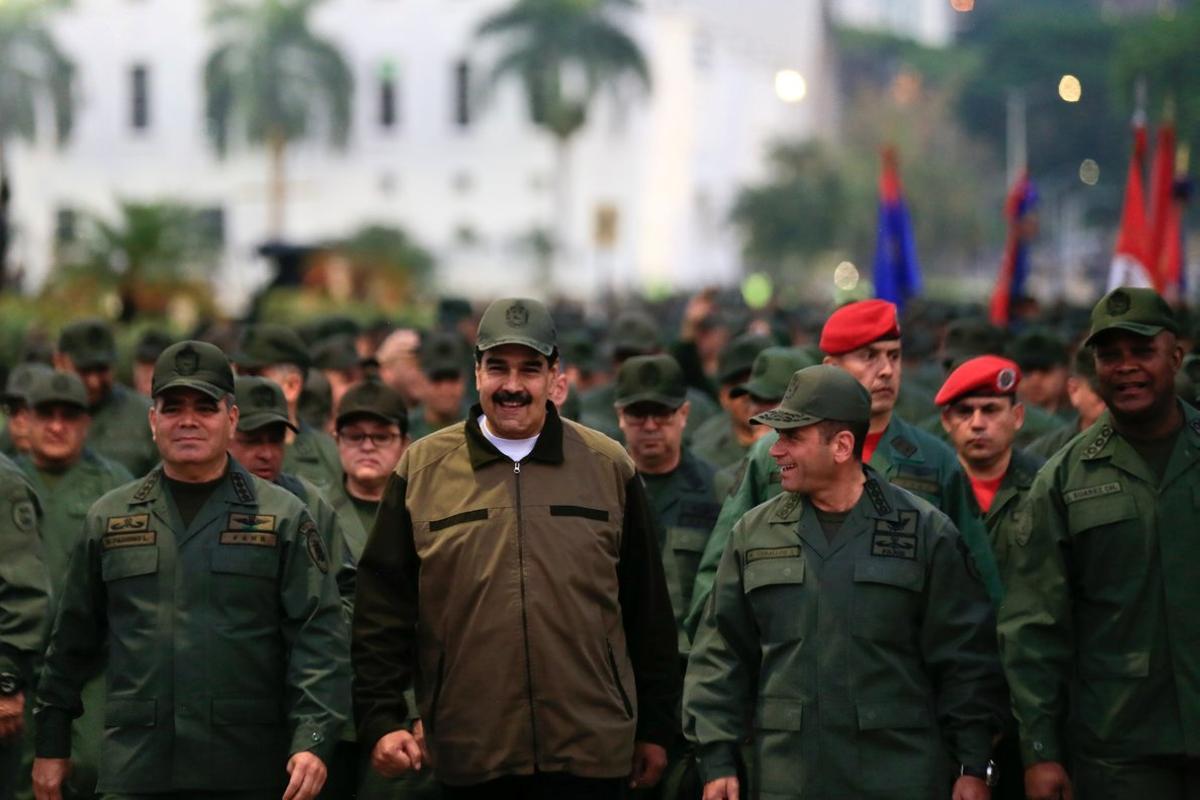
875 494
241 489
143 492
1093 449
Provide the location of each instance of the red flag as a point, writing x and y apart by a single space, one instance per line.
1131 261
1163 250
1014 269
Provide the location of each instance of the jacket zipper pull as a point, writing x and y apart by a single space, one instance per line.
517 467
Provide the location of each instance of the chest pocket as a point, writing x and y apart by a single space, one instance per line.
775 589
1109 542
1099 513
887 599
128 562
244 584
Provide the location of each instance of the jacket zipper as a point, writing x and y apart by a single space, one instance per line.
525 615
612 663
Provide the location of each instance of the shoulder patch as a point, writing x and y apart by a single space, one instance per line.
1088 492
1097 444
314 546
903 446
875 495
127 524
241 488
896 539
24 514
761 553
143 492
112 541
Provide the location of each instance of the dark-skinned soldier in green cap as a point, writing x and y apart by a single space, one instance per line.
69 477
213 594
723 438
445 360
863 338
847 624
1098 631
277 352
24 587
119 430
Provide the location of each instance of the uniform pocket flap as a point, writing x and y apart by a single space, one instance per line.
598 514
254 561
781 569
245 711
1116 665
457 519
1104 510
128 562
776 714
690 539
875 716
120 713
893 572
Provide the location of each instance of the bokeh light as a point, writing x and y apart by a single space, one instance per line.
963 5
757 290
1089 172
790 86
845 276
1070 89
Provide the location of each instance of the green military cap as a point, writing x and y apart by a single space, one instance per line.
967 338
268 343
21 378
517 320
193 365
634 333
650 379
336 353
818 393
322 328
373 399
316 399
1038 348
260 402
443 354
1140 311
579 348
151 344
50 386
772 372
737 357
452 310
89 343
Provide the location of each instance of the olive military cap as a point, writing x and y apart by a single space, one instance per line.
193 365
819 393
1140 311
260 402
737 357
772 372
650 379
21 378
634 333
151 344
49 386
337 352
967 338
373 399
443 354
517 320
89 343
267 343
1038 348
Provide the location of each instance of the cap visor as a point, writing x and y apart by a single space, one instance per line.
1131 327
651 397
252 422
210 389
541 347
758 389
781 419
356 413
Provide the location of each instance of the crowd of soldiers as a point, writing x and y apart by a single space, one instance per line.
523 555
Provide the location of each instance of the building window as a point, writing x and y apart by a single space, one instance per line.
462 94
139 108
65 226
388 107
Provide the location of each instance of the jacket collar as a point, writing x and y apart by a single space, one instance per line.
877 501
548 449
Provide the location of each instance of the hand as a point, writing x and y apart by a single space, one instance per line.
721 789
969 788
12 716
397 753
48 777
308 776
1047 780
419 735
649 762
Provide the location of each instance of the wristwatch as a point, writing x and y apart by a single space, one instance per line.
10 684
987 773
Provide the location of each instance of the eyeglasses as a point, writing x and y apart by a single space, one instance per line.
661 416
357 438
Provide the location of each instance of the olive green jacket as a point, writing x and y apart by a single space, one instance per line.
1004 512
1099 625
685 509
23 580
867 663
313 455
226 643
715 442
120 431
905 456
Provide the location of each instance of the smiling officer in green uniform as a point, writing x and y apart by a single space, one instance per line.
846 623
212 592
1099 631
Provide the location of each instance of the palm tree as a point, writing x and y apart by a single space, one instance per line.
274 80
565 53
32 69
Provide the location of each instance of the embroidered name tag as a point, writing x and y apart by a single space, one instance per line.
255 538
252 522
761 553
896 539
111 541
1089 492
916 484
127 524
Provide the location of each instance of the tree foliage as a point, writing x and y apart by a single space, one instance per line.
32 67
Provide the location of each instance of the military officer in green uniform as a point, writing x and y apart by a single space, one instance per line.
23 596
119 430
863 338
723 438
14 439
847 624
212 593
372 434
445 360
277 352
1098 631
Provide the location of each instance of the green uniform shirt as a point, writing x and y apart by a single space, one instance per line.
227 648
313 455
867 663
715 442
1022 468
121 431
23 580
905 456
1099 625
685 509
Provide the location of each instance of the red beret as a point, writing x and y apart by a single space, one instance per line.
856 325
988 375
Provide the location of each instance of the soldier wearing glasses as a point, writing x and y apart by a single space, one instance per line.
372 433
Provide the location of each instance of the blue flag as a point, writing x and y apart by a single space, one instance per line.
897 274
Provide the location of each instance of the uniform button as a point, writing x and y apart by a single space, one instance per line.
316 737
1039 746
787 570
